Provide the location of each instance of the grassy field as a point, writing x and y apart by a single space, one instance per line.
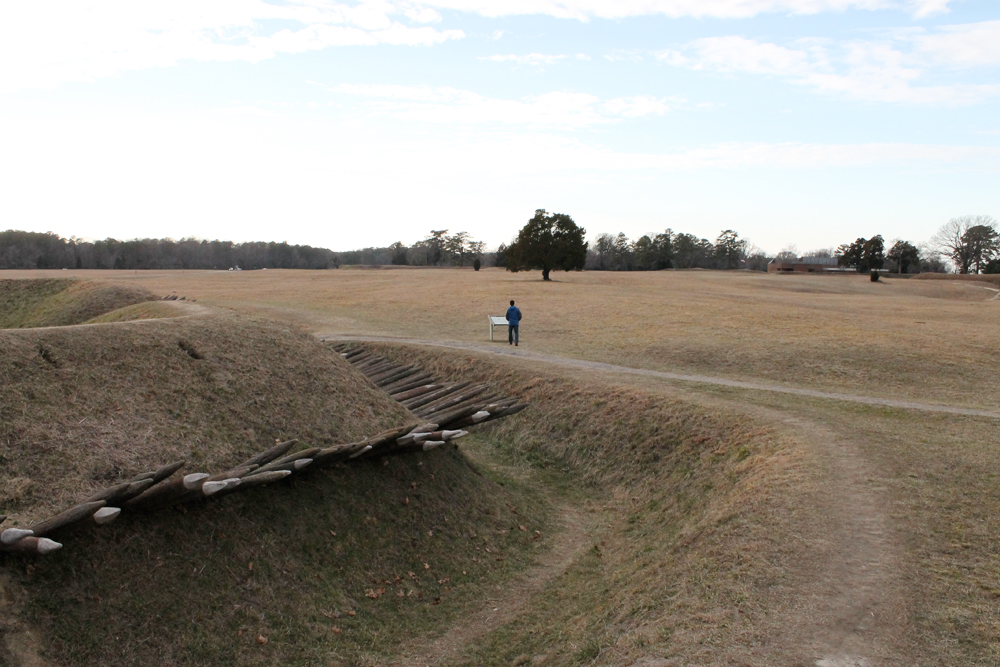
931 341
724 526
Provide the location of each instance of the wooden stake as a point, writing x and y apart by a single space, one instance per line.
34 545
14 535
414 392
167 470
339 452
269 455
407 384
369 363
506 412
109 494
398 376
134 489
381 367
242 471
288 462
170 491
450 401
467 417
415 403
396 369
454 403
63 519
106 515
455 419
261 478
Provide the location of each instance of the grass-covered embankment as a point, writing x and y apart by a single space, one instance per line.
691 551
51 302
338 567
979 278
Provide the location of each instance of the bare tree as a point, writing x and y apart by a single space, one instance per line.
968 241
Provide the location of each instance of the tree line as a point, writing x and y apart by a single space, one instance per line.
674 250
438 248
33 250
970 242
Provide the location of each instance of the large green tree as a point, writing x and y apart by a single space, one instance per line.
862 255
905 255
730 249
549 241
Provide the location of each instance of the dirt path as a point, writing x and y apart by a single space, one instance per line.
847 603
567 362
494 612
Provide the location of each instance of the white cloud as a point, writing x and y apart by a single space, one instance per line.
423 15
965 45
452 106
526 59
891 70
47 42
615 9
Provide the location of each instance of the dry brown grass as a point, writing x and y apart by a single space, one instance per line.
936 476
62 301
85 407
713 513
985 278
692 500
148 310
925 340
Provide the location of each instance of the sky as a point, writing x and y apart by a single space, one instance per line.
345 124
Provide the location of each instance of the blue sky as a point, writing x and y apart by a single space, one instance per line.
350 124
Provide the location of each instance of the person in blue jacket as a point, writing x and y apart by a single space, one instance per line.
513 322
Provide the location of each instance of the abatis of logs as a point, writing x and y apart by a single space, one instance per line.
447 409
453 406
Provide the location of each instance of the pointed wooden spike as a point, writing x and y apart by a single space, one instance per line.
286 462
167 470
14 535
110 494
70 516
106 515
211 488
263 478
134 489
367 448
33 545
194 480
271 454
47 546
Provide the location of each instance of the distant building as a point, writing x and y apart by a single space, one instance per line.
803 265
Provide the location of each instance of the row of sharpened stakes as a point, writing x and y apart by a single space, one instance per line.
452 405
447 409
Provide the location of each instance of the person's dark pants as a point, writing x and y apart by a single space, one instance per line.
512 333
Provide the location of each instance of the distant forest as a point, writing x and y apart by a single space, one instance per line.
972 244
32 250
